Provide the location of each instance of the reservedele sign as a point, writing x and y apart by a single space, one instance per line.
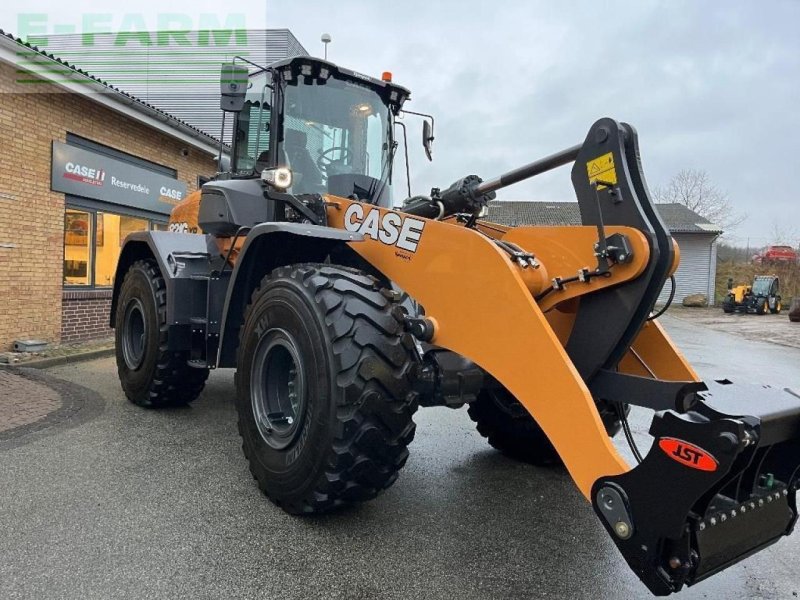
83 173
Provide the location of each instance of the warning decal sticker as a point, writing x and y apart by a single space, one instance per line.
602 170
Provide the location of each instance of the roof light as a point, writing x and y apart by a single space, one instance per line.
387 76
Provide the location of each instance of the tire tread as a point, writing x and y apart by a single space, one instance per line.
372 366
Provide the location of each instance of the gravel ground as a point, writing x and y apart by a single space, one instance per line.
160 504
777 329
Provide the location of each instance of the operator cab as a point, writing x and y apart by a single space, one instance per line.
332 127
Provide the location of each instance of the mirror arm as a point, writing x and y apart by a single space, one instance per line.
405 149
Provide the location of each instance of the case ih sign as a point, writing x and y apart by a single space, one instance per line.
80 172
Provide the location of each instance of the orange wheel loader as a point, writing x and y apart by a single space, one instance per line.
342 315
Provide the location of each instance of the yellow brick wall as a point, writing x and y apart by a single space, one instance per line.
32 216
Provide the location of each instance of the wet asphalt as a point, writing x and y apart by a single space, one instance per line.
144 504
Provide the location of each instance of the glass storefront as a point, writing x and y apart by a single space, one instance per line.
92 243
77 247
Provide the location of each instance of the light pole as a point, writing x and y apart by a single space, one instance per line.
326 39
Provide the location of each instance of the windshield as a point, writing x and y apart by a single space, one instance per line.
761 287
337 139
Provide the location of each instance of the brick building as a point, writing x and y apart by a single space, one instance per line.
83 165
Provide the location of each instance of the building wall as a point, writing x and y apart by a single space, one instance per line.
84 315
32 216
697 269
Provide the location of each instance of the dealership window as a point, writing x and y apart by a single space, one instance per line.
92 243
77 247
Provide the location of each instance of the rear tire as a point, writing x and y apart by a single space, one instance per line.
509 428
151 375
323 380
777 308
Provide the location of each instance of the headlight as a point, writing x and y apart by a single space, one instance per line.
280 177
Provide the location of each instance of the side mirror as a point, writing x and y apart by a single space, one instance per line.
233 87
427 138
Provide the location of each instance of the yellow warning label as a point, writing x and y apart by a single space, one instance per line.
602 170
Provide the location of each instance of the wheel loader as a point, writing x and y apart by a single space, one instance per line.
343 314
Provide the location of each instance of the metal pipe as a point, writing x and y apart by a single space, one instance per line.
537 167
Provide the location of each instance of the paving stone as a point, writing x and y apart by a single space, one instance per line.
24 401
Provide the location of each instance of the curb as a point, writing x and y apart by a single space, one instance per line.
44 363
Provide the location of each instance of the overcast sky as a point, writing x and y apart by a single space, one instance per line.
708 85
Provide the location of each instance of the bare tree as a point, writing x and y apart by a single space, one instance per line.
694 189
785 235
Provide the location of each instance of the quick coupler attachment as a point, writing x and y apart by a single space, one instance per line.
718 484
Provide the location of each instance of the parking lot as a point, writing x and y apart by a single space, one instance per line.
776 329
147 504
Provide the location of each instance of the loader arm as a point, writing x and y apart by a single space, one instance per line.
483 310
719 482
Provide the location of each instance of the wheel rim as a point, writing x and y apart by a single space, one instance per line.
134 334
277 389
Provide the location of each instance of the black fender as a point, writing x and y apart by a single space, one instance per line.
268 246
183 259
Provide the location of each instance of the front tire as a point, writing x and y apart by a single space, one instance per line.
323 386
151 375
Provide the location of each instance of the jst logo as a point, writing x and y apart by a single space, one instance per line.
391 229
688 454
84 174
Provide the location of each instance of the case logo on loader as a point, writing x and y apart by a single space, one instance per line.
688 454
391 229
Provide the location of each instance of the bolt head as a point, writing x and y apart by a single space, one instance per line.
713 521
622 530
674 562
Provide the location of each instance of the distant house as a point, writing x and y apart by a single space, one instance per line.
696 237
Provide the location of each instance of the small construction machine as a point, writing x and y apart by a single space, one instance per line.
757 299
342 315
